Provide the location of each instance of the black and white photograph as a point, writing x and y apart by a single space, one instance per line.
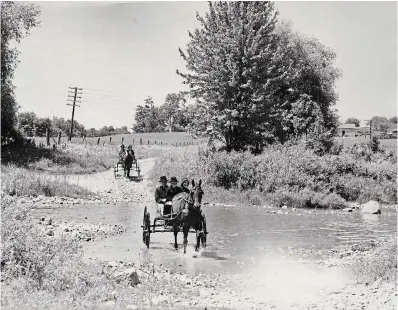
199 155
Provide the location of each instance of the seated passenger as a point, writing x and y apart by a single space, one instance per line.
161 194
173 190
184 185
130 148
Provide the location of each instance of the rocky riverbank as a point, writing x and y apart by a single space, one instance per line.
143 286
79 231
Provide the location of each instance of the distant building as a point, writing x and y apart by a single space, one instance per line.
350 130
392 130
347 130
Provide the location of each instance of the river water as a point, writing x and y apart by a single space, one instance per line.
239 237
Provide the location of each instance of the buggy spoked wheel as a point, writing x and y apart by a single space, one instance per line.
138 170
146 228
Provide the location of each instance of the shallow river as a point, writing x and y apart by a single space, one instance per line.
239 237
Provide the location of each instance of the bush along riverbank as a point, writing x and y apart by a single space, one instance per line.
288 175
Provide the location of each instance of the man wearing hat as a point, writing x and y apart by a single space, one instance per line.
174 189
161 193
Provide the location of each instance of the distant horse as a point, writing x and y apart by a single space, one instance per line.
187 207
127 164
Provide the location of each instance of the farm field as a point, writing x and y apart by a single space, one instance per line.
348 141
164 138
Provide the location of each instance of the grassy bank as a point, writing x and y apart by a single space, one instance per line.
379 264
288 175
47 272
29 170
21 181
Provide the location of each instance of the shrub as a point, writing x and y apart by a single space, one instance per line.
21 181
375 144
289 174
379 264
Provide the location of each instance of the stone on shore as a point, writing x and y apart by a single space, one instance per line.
130 275
371 207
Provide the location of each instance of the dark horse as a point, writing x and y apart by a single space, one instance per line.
187 207
127 164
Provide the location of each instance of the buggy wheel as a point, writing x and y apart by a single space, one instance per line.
138 170
146 228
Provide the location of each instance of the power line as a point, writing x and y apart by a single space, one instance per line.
75 97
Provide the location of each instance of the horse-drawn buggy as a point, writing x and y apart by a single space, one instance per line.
183 213
126 162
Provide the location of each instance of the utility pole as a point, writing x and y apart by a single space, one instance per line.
75 96
370 127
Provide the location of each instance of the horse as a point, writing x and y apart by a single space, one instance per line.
187 206
127 164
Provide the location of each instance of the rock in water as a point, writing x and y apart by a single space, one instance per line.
347 210
371 207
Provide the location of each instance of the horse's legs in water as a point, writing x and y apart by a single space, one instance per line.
185 230
176 228
198 229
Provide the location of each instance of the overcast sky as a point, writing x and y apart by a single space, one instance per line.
120 53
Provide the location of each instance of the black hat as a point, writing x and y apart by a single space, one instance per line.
173 179
163 178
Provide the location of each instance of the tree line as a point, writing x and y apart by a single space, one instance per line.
30 125
379 123
173 115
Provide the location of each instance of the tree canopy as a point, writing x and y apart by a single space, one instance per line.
17 19
353 120
172 115
255 79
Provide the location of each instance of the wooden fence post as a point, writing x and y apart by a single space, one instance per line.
59 138
47 137
148 142
98 141
123 140
110 140
140 141
161 143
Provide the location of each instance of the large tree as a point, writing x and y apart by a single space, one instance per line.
251 76
380 123
353 120
17 18
232 73
27 123
172 112
148 118
307 91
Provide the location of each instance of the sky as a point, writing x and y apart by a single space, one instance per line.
121 53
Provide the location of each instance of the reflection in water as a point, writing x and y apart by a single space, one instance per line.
371 219
239 238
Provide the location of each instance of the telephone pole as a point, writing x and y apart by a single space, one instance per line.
76 91
370 127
